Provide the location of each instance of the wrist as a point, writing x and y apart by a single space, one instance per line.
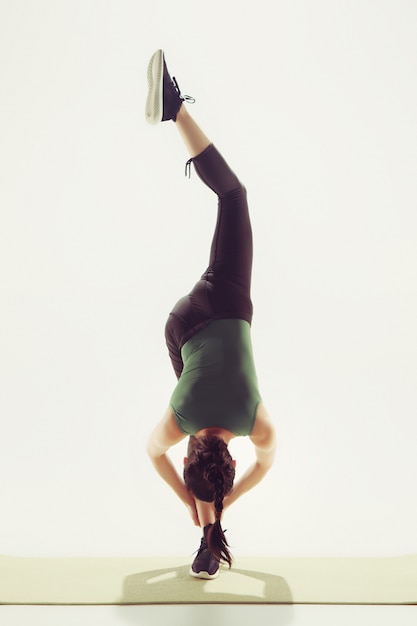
229 499
187 497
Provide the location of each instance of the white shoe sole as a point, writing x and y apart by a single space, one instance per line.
204 575
154 109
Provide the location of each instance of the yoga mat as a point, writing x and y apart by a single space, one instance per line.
166 581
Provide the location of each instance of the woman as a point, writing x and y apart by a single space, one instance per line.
208 339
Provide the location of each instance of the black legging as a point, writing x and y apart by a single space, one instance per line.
223 292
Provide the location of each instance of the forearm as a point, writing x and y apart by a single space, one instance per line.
253 476
168 473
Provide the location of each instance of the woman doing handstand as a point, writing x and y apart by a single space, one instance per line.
208 337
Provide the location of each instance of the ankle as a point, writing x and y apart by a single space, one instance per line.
182 113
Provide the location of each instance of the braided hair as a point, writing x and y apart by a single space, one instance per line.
209 474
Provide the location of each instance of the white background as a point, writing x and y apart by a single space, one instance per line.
313 104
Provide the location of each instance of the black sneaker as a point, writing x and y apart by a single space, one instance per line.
164 96
204 564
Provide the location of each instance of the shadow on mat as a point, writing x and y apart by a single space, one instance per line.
175 585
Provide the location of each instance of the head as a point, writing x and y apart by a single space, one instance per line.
209 472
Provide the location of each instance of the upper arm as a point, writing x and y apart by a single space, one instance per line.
263 437
165 434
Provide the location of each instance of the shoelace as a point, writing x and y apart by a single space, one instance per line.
203 546
188 167
188 99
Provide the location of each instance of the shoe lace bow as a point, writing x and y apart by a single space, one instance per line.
188 99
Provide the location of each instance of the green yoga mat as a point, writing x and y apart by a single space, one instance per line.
166 581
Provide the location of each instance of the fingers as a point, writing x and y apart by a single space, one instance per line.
196 520
194 514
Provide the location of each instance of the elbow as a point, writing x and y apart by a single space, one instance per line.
267 457
154 451
150 449
266 464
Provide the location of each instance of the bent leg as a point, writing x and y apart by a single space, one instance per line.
231 250
224 289
230 265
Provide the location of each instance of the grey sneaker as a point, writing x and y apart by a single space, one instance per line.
164 96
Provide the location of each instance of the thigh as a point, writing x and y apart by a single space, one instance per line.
223 291
230 271
229 297
189 315
231 251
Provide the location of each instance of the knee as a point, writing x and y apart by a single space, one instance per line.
237 187
236 195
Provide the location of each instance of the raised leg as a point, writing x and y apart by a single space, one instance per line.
224 289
